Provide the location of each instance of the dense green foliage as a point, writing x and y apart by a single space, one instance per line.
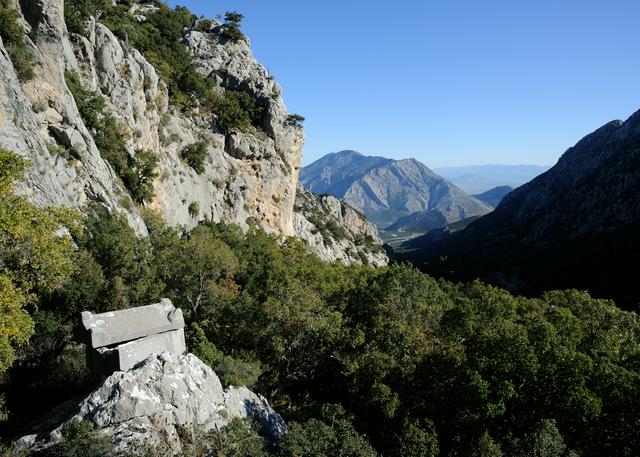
358 360
237 110
137 172
34 258
13 38
195 155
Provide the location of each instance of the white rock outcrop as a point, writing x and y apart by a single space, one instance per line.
145 405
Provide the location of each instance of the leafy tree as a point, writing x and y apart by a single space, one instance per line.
139 175
34 256
546 441
331 435
199 270
126 261
486 447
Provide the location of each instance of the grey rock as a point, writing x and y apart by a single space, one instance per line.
335 231
250 175
128 324
145 405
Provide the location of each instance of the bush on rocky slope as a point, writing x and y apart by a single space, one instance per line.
13 37
137 172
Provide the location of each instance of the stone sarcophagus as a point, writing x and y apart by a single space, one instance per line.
118 340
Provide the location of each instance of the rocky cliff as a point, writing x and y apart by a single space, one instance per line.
245 174
336 231
576 225
147 405
386 190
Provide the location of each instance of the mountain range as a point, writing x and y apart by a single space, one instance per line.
475 179
575 225
388 191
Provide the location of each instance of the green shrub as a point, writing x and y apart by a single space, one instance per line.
82 439
77 13
204 25
139 174
195 154
230 30
236 110
13 37
194 209
231 370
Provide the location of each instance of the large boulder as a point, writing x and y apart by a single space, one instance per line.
149 403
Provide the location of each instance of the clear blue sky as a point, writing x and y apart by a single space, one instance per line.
447 82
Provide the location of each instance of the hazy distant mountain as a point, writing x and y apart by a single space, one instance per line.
475 179
494 196
385 190
574 226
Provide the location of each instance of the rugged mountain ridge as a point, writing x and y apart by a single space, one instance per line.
246 175
385 190
573 226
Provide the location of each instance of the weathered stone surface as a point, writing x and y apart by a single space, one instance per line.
145 404
128 324
127 355
335 231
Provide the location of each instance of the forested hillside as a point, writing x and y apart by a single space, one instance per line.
575 225
359 361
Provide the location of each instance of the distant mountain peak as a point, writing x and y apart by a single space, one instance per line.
385 190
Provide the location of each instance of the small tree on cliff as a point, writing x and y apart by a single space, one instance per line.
230 30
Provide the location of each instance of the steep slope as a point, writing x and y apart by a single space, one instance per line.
574 226
385 190
245 174
335 231
493 196
242 174
475 179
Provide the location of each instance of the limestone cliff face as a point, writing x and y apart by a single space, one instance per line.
336 231
247 175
